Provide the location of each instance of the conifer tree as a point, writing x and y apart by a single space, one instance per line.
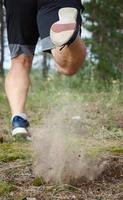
104 19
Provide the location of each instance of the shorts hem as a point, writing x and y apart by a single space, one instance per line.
18 49
47 44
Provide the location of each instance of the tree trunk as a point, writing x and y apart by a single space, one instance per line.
1 37
45 68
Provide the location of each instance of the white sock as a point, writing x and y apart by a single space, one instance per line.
23 115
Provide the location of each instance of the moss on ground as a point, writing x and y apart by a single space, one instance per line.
14 151
21 197
37 182
5 188
120 185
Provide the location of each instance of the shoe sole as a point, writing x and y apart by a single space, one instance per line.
21 133
63 30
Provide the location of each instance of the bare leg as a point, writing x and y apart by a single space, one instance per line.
17 83
70 58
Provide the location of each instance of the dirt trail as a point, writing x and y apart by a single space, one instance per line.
109 185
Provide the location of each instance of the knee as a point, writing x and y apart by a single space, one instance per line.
23 60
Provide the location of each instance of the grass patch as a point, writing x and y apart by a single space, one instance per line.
14 151
97 150
5 188
116 149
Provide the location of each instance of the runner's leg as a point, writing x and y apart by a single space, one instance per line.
17 83
71 57
22 37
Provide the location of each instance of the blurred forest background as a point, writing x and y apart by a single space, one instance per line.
104 63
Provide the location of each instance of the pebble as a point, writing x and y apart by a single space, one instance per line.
76 117
30 198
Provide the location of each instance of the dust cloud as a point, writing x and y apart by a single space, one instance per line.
61 145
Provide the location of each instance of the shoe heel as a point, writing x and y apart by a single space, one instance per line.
68 15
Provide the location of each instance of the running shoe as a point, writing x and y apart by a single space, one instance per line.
20 128
65 31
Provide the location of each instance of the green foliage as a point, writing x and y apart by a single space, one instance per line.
104 19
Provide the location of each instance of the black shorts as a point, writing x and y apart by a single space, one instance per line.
27 20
